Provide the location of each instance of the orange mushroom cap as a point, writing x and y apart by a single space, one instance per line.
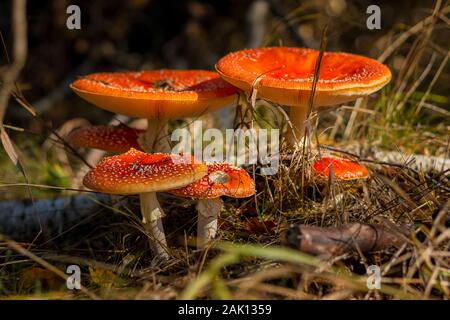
286 75
223 179
162 94
109 138
343 169
138 172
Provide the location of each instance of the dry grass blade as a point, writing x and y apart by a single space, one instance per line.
233 253
399 191
323 47
404 36
25 104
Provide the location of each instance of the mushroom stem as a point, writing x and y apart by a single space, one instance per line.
154 140
298 116
208 213
152 214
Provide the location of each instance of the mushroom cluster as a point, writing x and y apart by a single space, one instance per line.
145 165
137 172
158 96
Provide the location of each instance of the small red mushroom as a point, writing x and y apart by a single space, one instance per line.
116 139
223 179
136 172
343 169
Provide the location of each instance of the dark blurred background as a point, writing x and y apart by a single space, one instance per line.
148 34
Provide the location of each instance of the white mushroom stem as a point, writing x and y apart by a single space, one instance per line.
152 214
298 116
208 213
155 139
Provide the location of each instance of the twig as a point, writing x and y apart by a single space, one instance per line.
11 73
433 81
404 36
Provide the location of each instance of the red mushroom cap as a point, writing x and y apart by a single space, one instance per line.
162 94
286 75
109 138
138 172
343 169
223 179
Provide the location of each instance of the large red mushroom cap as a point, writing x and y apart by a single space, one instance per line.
343 169
138 172
161 94
286 75
117 139
223 179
